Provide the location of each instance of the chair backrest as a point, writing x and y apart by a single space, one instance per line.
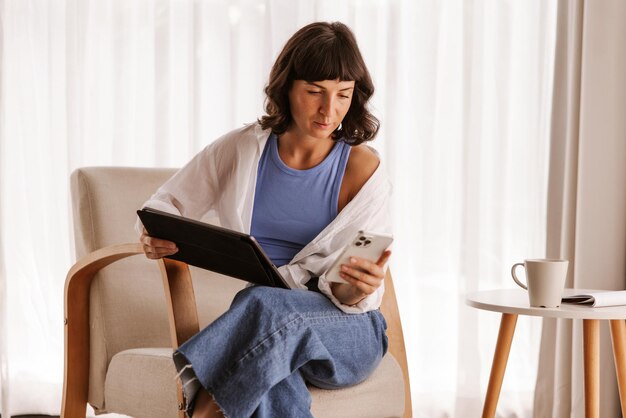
127 308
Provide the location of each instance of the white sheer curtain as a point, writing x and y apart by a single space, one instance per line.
468 139
463 91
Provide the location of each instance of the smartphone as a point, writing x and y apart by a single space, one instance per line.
367 245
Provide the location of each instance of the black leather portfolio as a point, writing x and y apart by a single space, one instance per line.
213 248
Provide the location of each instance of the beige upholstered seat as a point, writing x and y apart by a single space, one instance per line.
123 318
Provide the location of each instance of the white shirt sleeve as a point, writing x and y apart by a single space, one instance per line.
191 192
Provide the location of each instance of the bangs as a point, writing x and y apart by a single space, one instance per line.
329 60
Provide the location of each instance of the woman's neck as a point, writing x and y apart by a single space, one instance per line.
302 153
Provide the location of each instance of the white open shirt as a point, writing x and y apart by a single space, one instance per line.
219 184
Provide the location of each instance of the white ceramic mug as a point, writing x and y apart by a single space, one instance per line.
545 279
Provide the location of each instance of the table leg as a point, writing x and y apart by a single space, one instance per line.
500 358
618 336
591 339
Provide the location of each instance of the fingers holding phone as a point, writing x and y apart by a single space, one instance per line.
366 275
364 248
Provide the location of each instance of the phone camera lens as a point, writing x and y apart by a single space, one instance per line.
358 243
368 242
362 238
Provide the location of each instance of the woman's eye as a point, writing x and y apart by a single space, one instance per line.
314 92
344 97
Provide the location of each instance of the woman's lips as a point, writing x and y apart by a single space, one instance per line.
322 125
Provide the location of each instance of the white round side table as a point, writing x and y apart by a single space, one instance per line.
514 302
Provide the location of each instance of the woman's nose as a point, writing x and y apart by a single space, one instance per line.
326 106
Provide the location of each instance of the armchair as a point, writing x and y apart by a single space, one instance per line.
123 314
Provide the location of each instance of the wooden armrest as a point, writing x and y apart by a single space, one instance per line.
181 307
181 301
389 309
77 285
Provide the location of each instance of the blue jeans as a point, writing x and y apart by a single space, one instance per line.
256 357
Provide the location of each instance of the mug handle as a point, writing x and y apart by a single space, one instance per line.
522 285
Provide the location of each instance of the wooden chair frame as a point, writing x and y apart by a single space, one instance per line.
183 321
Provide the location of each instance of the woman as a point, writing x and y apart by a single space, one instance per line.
302 182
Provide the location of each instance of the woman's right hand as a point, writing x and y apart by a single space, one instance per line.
156 248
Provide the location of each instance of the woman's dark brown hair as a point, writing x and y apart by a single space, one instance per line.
321 51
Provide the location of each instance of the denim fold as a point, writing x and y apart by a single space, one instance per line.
257 357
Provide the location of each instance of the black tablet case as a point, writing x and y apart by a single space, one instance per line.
213 248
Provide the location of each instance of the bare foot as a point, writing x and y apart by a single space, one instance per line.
206 406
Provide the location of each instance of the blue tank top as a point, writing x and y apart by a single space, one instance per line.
292 206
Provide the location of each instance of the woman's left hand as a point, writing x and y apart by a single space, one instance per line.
364 277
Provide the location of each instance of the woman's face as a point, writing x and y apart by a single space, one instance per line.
318 107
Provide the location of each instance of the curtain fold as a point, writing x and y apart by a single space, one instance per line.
587 197
4 388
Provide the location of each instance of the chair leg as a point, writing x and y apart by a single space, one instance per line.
74 404
500 358
206 406
181 399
